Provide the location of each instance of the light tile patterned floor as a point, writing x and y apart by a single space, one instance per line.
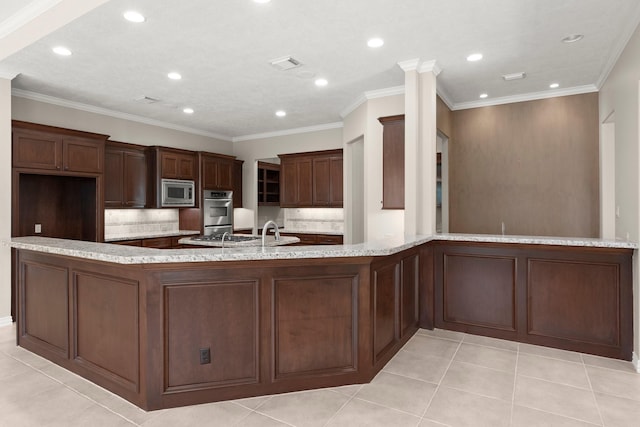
440 378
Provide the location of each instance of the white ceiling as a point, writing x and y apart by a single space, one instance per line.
223 48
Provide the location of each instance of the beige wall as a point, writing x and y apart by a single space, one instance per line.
620 95
444 118
5 200
119 129
532 165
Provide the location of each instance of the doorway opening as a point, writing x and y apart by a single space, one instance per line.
442 183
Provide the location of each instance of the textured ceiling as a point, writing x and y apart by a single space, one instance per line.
223 48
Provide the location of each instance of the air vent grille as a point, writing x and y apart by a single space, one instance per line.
285 63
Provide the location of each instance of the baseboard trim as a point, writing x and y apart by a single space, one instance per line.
8 321
636 362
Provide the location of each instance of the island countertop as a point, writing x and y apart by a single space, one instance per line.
136 255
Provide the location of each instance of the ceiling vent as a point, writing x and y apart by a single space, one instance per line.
514 76
285 63
146 100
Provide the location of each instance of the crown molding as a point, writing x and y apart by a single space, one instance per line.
317 128
577 90
409 64
616 52
442 93
429 66
372 94
111 113
8 76
352 107
26 14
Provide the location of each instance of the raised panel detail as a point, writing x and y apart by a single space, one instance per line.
480 291
385 289
559 292
106 326
409 293
45 303
220 316
315 325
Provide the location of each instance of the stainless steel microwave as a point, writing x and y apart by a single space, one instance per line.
178 193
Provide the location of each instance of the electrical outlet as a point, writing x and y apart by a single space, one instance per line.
205 356
38 228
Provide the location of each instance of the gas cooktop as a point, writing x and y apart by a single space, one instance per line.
228 238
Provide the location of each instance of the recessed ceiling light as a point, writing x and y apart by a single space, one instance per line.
474 57
554 85
375 42
174 76
134 16
61 50
572 38
188 110
281 113
321 82
483 95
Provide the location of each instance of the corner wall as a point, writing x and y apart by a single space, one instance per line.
5 201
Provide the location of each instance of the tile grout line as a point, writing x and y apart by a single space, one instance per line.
593 393
515 380
341 407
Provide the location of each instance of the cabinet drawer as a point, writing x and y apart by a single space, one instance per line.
128 242
328 239
157 242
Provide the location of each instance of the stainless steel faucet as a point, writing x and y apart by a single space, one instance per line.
266 228
226 233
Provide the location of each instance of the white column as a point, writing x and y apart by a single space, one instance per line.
412 187
5 198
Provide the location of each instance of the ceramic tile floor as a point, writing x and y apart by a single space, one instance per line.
439 378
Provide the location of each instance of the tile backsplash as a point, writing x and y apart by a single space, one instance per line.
136 222
314 219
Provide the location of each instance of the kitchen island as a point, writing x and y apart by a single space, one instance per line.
166 328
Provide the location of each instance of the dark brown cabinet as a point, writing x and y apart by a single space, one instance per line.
311 179
268 184
56 149
392 162
237 183
217 172
307 239
178 164
125 171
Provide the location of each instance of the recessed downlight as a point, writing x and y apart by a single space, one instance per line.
281 113
375 42
133 16
572 38
484 95
474 57
62 51
174 76
321 82
187 110
554 85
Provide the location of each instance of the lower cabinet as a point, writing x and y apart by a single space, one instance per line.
169 242
316 239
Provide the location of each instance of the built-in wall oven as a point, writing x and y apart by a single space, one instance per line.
217 212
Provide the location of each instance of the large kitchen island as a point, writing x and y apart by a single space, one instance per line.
174 327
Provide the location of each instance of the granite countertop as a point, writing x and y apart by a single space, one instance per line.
151 235
269 241
137 255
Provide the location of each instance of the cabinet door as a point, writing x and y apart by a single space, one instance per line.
170 165
237 183
82 155
135 180
393 165
39 150
187 167
305 182
288 183
113 178
225 174
335 170
210 173
321 181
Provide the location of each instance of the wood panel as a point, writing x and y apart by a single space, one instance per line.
315 325
36 149
219 316
337 190
479 291
321 181
114 178
393 162
305 182
558 292
385 308
44 306
135 179
237 183
106 325
82 155
410 270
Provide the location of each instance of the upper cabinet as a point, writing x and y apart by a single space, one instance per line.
177 164
217 171
237 183
311 179
125 172
56 149
268 184
393 162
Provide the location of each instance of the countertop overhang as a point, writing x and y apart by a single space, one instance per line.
136 255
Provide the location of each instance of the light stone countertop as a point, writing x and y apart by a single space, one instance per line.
136 255
151 235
